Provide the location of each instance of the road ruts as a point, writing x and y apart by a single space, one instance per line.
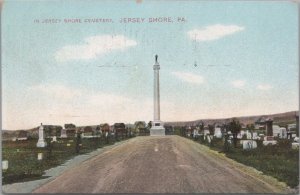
169 164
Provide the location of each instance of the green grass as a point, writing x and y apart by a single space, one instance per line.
22 157
279 161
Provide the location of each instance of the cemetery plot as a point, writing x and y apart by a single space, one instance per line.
280 160
27 162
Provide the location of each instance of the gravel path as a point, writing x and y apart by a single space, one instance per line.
169 164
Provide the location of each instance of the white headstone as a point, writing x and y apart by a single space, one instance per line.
254 136
41 142
249 136
206 132
208 138
54 139
249 144
63 133
272 142
4 165
239 136
218 133
40 156
295 145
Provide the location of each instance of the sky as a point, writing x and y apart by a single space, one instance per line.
218 60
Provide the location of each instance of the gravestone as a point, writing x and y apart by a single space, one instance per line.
295 145
269 127
63 133
54 139
41 142
249 136
208 138
254 136
249 144
40 156
218 133
269 140
4 165
239 136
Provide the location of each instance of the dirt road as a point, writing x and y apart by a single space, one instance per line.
169 164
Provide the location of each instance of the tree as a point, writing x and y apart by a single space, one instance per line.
69 126
105 128
149 125
139 125
235 127
211 129
201 126
88 129
98 130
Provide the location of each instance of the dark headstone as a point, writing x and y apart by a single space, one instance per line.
269 127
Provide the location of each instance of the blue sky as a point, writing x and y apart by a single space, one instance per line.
90 73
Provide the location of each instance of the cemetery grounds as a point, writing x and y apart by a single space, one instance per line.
22 156
279 161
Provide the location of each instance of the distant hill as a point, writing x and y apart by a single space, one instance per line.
280 119
9 134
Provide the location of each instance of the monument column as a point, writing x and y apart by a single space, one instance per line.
157 125
269 127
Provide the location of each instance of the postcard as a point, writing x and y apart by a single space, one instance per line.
150 96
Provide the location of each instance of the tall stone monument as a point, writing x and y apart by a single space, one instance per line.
41 142
269 127
157 128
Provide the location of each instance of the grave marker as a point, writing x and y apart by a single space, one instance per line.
54 139
41 142
40 156
249 144
63 133
4 165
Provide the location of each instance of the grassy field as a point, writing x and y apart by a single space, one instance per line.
23 164
279 161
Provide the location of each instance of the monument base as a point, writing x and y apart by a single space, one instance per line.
157 131
41 144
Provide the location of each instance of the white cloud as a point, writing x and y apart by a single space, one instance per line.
94 46
59 104
264 87
238 84
189 77
54 91
213 32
